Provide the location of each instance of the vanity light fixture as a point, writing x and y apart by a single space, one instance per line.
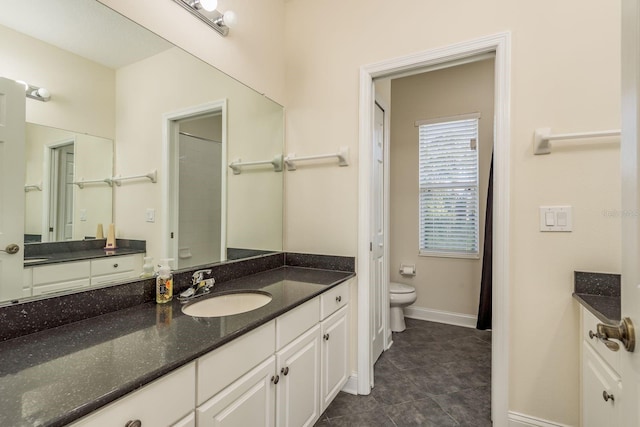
205 10
35 92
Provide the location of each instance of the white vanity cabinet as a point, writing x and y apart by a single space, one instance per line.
60 277
281 374
63 276
601 383
298 373
111 269
167 401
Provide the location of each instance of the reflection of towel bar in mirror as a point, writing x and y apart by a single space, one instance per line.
342 155
152 176
237 165
83 182
32 187
542 138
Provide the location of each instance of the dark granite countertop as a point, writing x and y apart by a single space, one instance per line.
78 250
53 377
600 294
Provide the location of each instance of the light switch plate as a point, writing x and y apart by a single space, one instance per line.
150 215
556 218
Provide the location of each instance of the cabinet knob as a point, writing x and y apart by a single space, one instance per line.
133 423
285 371
338 298
115 265
592 335
275 379
606 396
326 337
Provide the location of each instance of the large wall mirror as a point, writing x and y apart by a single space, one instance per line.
124 103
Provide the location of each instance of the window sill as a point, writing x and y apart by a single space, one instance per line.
448 255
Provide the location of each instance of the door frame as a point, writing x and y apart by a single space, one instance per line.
170 129
500 44
48 192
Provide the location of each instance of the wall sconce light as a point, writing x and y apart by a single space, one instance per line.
35 92
205 10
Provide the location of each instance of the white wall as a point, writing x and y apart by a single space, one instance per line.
445 284
565 74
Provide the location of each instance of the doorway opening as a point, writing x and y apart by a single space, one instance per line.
196 155
58 191
458 54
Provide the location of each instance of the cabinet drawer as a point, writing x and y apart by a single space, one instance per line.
114 265
334 299
63 272
291 325
160 403
589 322
598 379
224 365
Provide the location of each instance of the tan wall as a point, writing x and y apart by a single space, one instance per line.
82 91
254 131
446 284
565 74
251 53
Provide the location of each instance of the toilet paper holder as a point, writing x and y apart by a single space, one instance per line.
407 269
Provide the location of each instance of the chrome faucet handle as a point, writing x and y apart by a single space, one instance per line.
198 276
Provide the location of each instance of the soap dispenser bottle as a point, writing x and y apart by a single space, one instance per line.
164 283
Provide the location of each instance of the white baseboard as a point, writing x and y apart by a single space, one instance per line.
351 385
439 316
521 420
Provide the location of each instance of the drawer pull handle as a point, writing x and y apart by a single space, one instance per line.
326 337
133 423
606 396
285 371
275 379
338 298
115 265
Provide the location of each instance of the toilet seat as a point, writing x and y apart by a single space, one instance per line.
400 288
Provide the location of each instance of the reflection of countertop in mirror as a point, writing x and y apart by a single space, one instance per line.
56 376
600 294
56 252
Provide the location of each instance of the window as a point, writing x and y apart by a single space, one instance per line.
448 173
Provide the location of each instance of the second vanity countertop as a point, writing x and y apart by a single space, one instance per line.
56 376
599 293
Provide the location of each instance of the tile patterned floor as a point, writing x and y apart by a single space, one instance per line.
433 375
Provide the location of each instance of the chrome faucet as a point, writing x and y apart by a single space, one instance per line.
199 285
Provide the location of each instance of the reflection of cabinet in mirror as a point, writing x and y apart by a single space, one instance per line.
57 158
67 276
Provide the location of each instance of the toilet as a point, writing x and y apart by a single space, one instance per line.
400 296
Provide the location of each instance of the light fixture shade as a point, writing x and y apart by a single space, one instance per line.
230 18
209 5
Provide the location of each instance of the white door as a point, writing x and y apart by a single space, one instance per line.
630 164
12 170
378 294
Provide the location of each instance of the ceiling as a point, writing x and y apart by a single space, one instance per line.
79 26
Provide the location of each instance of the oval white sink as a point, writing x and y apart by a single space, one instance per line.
227 304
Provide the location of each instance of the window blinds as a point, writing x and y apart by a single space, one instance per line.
449 188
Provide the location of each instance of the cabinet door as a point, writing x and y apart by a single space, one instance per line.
249 401
335 346
597 379
188 421
297 392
